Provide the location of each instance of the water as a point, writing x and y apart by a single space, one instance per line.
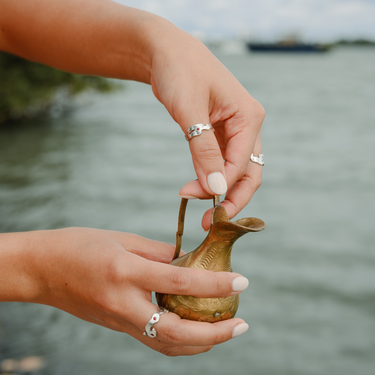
311 300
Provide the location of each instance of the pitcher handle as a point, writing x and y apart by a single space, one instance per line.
181 222
180 230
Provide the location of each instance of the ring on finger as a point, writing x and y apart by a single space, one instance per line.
196 130
257 159
149 330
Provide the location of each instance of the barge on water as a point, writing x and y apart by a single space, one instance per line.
288 47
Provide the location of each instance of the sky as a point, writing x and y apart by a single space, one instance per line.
315 20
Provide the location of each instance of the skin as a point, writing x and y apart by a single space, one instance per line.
107 277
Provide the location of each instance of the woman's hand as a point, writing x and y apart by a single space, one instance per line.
107 277
196 88
185 76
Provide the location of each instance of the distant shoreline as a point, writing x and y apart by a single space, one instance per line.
355 42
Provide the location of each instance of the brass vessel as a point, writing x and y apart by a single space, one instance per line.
214 255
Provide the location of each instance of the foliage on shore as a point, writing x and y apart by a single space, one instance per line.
28 88
355 42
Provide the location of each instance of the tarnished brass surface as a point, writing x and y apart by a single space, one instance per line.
214 255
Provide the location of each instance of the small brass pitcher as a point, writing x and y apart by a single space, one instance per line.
213 255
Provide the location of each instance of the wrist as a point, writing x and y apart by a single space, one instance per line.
19 281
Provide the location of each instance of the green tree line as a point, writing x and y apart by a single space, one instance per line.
28 88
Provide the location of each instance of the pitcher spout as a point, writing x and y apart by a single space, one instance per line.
222 227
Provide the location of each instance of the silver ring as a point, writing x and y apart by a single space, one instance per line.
195 130
149 331
259 160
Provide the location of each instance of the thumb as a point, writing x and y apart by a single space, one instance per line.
208 161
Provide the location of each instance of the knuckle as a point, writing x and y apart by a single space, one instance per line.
115 271
208 152
217 339
261 112
171 250
104 298
258 110
174 334
221 284
170 351
181 280
253 183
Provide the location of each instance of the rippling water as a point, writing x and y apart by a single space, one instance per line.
311 300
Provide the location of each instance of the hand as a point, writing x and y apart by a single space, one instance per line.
185 76
196 88
107 277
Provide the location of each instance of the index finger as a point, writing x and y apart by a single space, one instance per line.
208 162
169 279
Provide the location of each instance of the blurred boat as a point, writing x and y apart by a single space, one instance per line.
288 46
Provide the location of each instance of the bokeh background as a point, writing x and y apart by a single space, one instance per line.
104 164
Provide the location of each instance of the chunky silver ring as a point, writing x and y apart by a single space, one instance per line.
195 130
149 331
259 160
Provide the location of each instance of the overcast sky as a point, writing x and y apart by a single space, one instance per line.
267 19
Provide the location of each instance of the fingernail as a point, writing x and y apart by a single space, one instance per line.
187 196
217 183
239 284
239 329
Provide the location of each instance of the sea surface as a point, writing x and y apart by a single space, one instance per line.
107 164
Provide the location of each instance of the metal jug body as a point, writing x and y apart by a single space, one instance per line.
214 254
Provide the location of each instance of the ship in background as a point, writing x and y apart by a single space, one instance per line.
288 45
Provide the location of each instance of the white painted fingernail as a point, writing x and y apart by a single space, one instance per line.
217 183
187 196
239 284
239 329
